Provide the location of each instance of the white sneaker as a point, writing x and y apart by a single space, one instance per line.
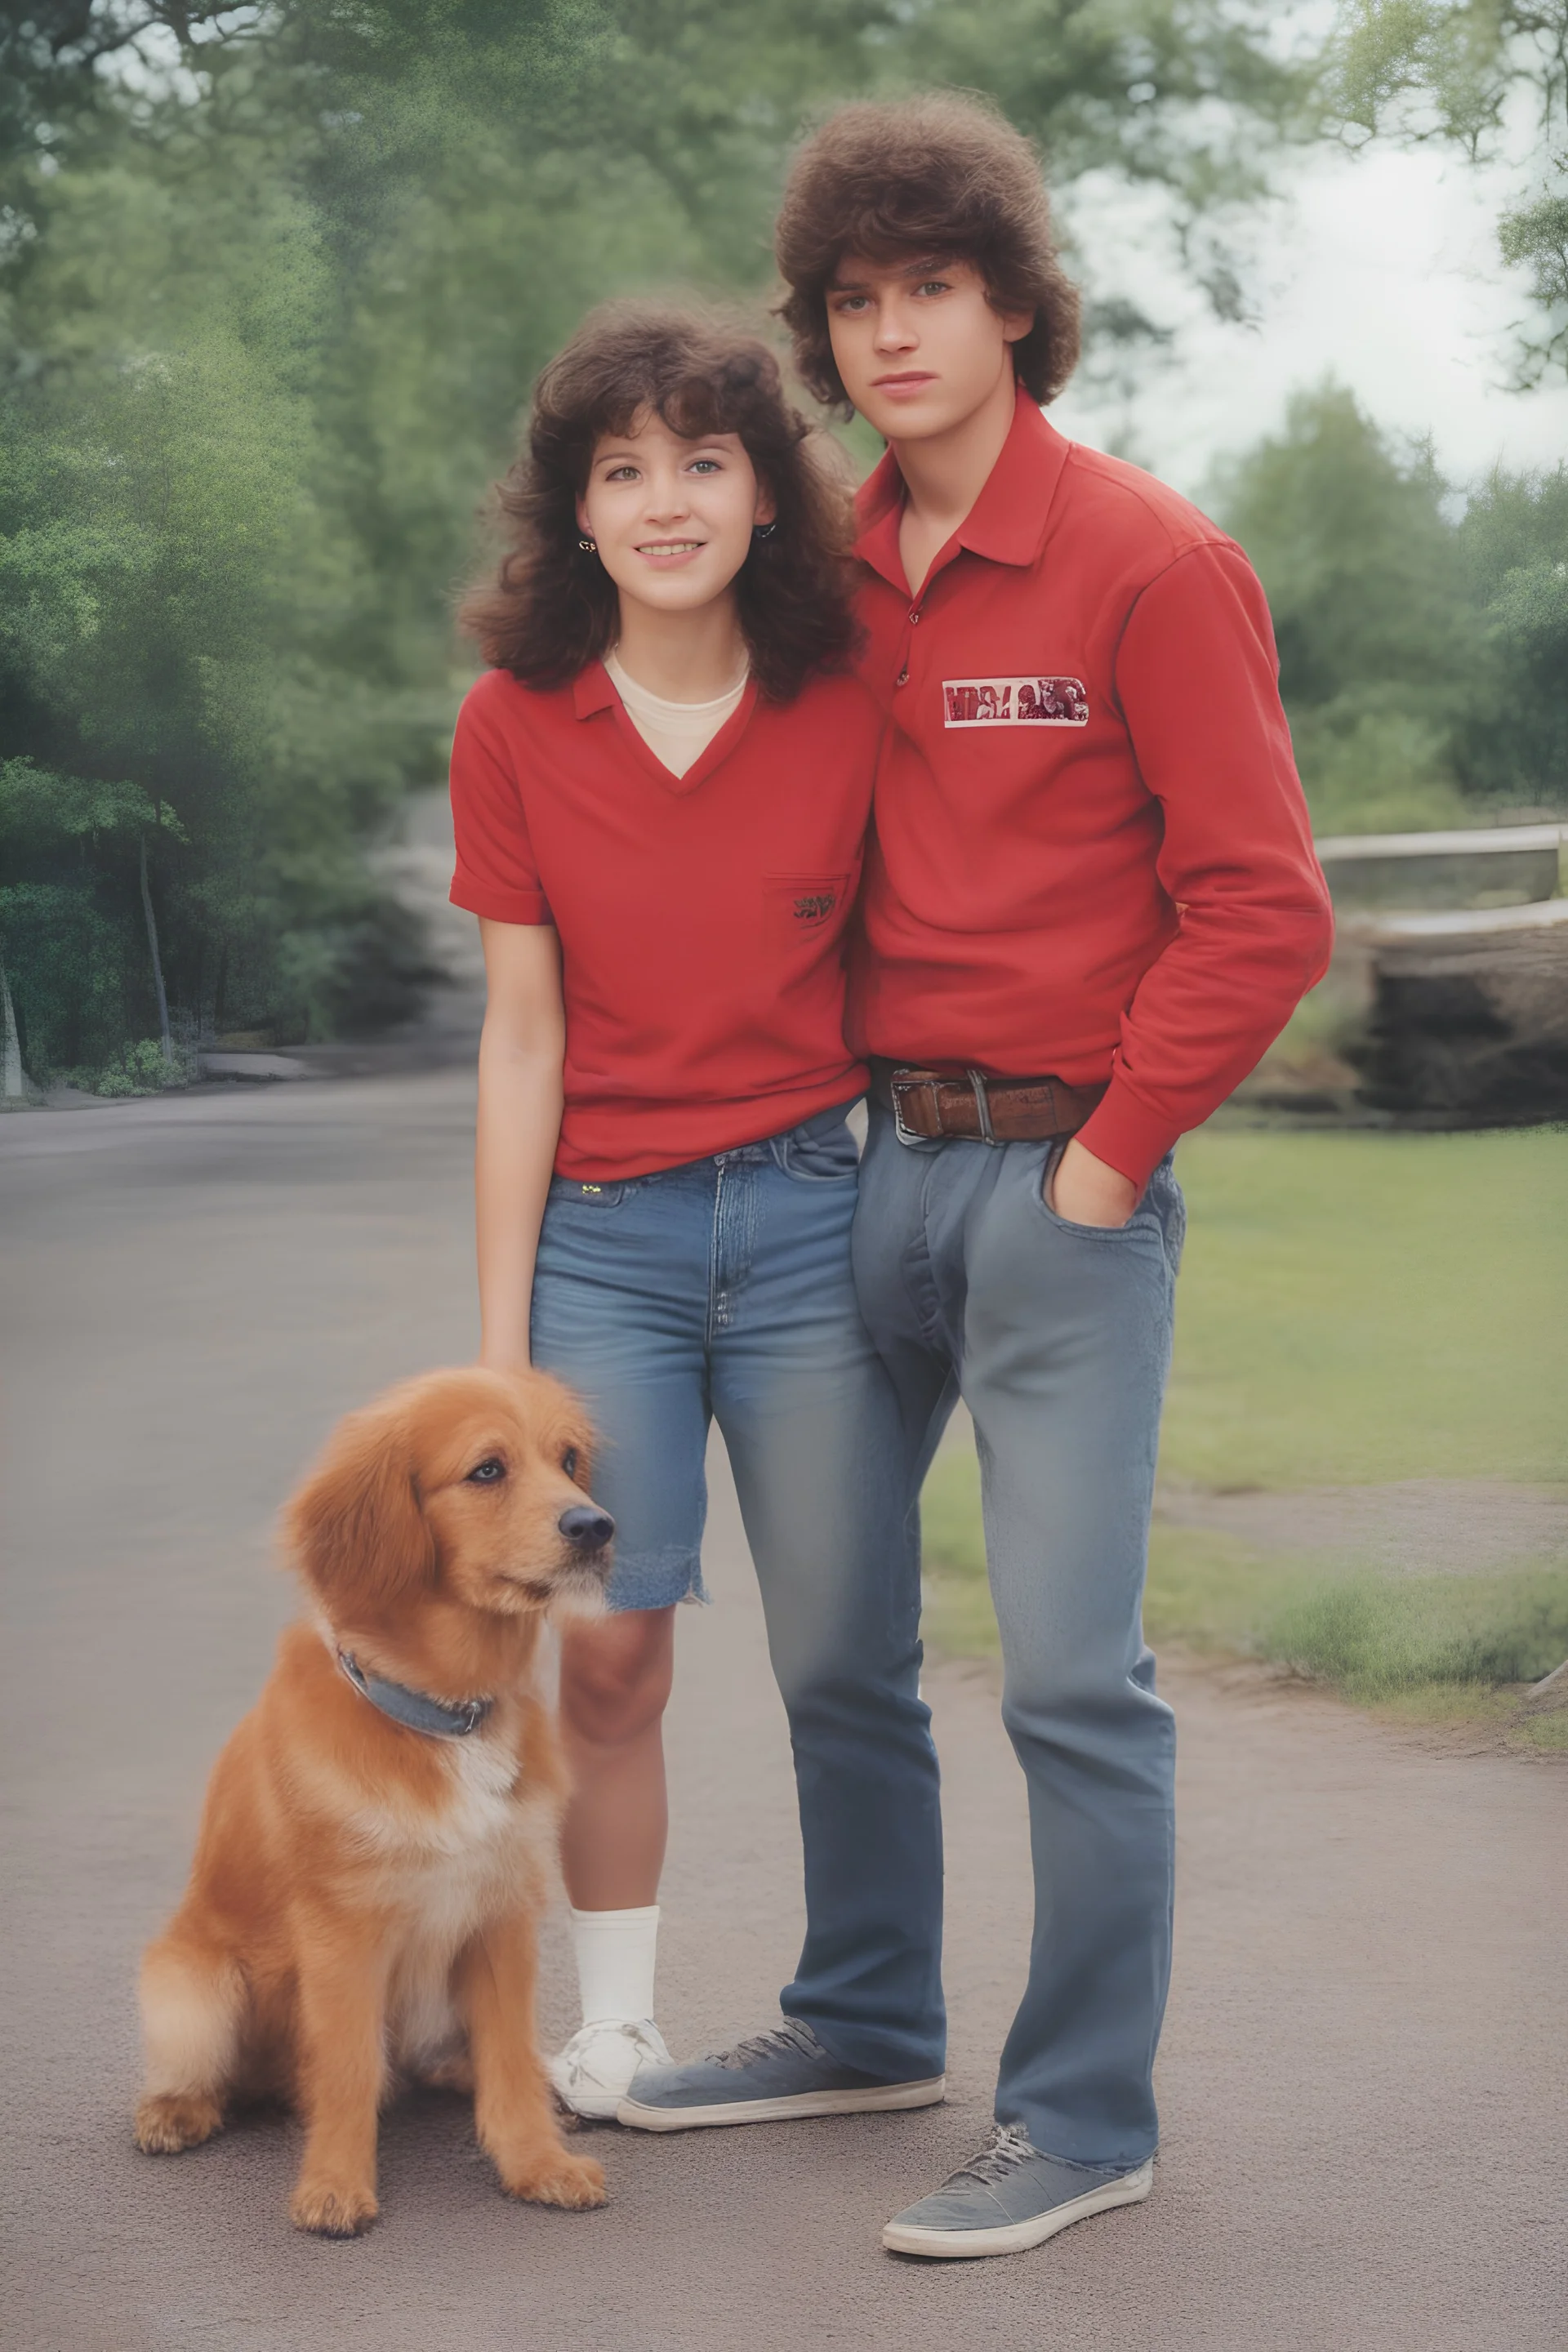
592 2075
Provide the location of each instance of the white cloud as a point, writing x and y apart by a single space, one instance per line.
1380 270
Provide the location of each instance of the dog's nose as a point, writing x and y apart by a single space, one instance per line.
586 1526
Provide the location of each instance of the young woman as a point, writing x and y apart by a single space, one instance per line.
660 790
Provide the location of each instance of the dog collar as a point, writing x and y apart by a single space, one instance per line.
415 1709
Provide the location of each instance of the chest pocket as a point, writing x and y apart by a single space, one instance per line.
798 907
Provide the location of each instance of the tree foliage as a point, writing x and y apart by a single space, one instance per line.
1421 658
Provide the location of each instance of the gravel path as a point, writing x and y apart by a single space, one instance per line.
1365 2072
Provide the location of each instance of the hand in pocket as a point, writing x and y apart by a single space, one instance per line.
1085 1191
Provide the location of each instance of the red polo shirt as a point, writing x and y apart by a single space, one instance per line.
1091 858
701 916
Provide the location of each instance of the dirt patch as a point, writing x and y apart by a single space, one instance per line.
1424 1526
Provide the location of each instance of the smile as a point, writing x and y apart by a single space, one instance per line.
672 547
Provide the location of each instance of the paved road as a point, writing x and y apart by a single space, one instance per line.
1365 2074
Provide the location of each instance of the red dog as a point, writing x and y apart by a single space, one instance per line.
379 1836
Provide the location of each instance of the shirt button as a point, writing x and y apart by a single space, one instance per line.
914 612
904 677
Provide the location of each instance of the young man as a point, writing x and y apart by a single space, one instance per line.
1091 902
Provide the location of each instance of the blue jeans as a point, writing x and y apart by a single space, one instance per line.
1058 1337
723 1290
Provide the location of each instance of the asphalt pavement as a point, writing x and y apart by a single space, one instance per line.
1364 2079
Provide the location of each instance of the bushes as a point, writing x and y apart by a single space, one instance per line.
1378 1638
73 926
141 1068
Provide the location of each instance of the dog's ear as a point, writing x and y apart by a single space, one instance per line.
356 1528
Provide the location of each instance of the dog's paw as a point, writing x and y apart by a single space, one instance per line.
173 2120
555 2178
333 2209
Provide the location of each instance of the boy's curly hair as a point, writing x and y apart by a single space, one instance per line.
944 177
553 608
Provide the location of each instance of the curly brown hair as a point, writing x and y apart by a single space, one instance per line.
552 608
940 177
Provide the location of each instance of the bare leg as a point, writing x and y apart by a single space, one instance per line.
616 1679
341 2070
513 2114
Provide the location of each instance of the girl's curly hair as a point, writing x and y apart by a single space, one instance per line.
552 608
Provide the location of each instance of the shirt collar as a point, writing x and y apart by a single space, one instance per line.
1006 524
592 690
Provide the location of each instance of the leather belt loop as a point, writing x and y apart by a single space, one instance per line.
981 1105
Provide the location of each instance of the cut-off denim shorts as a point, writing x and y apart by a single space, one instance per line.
719 1289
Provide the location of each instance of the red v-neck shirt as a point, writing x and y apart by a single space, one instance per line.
702 917
1091 858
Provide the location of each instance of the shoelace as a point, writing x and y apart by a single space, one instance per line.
1009 2147
794 2035
633 2029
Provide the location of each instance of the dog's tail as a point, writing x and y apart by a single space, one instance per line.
193 2003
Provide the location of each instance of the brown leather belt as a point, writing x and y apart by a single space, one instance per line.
927 1106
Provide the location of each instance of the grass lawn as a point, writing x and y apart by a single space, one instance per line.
1353 1308
1362 1306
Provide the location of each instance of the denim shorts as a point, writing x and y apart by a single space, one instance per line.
723 1289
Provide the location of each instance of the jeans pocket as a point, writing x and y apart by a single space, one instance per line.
566 1191
1173 1214
832 1157
1040 1187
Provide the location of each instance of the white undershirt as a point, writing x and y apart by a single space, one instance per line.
677 733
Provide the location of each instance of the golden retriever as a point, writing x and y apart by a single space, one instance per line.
366 1887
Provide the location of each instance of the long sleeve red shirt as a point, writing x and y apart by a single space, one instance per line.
1091 858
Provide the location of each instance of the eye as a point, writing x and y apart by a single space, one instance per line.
934 286
622 474
568 1462
705 465
487 1473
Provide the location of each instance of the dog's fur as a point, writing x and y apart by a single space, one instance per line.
364 1897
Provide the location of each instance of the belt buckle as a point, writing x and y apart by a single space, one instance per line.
905 1134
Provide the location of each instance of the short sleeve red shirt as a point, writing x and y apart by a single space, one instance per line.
701 917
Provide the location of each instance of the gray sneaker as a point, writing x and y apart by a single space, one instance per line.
776 2075
1010 2197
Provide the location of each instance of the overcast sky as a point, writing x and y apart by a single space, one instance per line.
1381 270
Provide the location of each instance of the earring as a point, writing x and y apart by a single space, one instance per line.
589 546
764 530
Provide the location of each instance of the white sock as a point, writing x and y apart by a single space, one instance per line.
616 1952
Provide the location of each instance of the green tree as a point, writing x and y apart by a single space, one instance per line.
1512 741
1421 658
1365 585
